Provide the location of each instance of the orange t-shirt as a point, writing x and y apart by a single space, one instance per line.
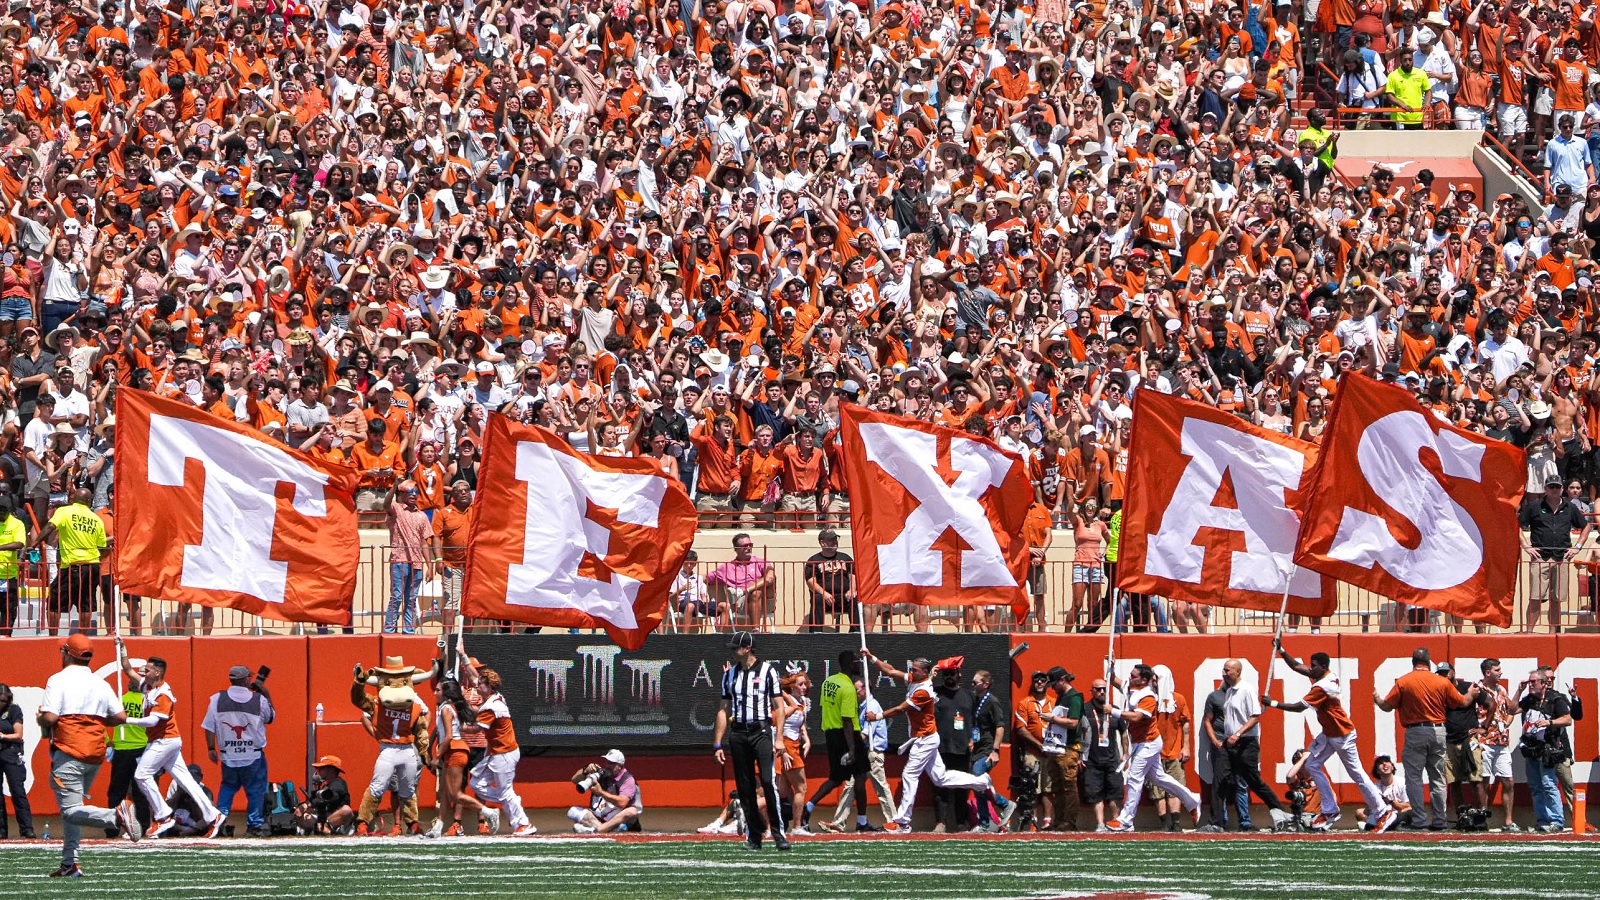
1324 698
1423 697
1170 726
920 704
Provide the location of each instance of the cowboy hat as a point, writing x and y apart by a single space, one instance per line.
53 339
298 337
188 232
278 280
716 360
435 277
421 337
387 256
395 667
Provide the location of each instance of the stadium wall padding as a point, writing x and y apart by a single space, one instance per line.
677 770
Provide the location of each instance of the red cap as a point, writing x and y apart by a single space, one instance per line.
78 647
951 662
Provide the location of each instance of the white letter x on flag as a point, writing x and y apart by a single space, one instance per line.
949 496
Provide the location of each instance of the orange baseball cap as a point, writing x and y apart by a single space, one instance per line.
331 761
78 647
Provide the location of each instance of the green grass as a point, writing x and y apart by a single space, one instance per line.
883 869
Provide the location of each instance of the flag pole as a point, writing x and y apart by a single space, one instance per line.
866 675
1277 639
455 668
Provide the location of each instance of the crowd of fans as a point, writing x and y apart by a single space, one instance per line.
690 232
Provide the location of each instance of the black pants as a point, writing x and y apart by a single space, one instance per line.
750 748
75 587
1229 766
950 804
124 763
9 601
16 776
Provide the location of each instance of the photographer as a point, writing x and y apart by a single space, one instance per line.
328 810
1546 715
613 796
236 735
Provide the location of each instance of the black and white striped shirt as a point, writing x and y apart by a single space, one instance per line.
749 693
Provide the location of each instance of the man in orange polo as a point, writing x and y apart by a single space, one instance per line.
75 712
378 459
450 526
1421 697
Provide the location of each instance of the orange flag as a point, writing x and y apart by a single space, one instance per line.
936 514
569 540
210 512
1412 507
1210 511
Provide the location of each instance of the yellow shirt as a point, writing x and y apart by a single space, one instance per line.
80 534
12 531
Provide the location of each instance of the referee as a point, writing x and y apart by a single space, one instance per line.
745 719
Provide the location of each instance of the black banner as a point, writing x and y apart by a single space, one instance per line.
583 691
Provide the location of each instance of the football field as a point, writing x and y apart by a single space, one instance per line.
1135 868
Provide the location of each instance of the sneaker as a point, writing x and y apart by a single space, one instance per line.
869 828
897 827
802 831
1116 825
128 821
939 828
1510 828
456 831
781 842
437 831
160 827
493 818
216 824
1194 818
581 828
525 831
67 871
362 829
753 845
1006 814
1386 820
708 829
396 830
1211 829
1322 822
256 831
830 828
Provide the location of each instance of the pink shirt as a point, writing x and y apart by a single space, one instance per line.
409 531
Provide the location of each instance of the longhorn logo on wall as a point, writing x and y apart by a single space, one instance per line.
567 690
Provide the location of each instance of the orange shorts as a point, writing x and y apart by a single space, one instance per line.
455 758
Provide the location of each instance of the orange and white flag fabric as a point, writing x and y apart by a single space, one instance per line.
1412 507
1209 515
569 540
209 512
936 514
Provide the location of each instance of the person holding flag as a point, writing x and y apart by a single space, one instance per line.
1144 763
918 708
1338 738
164 752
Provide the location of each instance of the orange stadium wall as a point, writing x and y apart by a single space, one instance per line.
317 669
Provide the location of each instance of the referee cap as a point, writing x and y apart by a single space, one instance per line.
741 639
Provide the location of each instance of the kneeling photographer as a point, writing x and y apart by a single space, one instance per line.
613 796
328 809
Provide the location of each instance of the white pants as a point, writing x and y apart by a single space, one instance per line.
1345 749
1144 763
166 755
396 760
925 758
494 781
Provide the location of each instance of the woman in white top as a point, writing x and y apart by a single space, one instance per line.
794 705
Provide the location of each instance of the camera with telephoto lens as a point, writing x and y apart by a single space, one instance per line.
261 678
587 778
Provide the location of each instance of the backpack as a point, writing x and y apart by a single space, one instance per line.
282 798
